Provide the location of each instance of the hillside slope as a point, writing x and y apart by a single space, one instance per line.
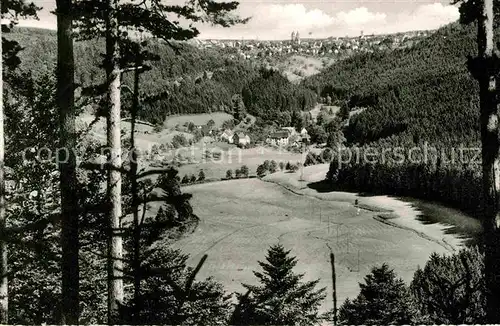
191 80
409 92
185 80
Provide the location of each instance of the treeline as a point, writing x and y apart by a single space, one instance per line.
442 176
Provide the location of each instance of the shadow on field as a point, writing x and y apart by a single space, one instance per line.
324 186
461 225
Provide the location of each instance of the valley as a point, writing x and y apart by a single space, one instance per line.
240 219
256 161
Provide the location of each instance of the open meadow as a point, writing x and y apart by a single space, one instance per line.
240 219
232 158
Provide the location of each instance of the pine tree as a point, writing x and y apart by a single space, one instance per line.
281 298
383 299
11 11
484 68
238 107
67 164
450 288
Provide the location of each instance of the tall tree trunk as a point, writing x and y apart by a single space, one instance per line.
135 199
115 240
4 293
490 159
334 288
67 164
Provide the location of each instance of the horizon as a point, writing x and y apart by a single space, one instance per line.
268 40
276 19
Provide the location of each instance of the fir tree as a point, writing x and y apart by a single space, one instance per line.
383 300
281 298
450 289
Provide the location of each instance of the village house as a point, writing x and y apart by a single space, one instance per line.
279 138
241 139
287 136
291 131
227 136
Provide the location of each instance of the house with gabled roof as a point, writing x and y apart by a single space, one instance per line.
241 139
227 135
278 138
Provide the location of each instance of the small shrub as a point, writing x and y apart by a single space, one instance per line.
261 171
201 176
158 128
179 140
273 167
244 171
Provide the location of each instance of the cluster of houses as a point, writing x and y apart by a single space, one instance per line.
331 46
286 136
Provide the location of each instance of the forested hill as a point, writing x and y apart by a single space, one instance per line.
416 94
189 80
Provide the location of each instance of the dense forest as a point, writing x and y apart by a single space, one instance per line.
409 92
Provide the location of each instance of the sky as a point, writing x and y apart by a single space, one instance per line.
277 19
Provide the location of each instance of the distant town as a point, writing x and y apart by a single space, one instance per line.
332 46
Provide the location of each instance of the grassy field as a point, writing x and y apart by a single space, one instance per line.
233 158
297 67
145 136
240 219
198 119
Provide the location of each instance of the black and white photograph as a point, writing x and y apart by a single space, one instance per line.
250 162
